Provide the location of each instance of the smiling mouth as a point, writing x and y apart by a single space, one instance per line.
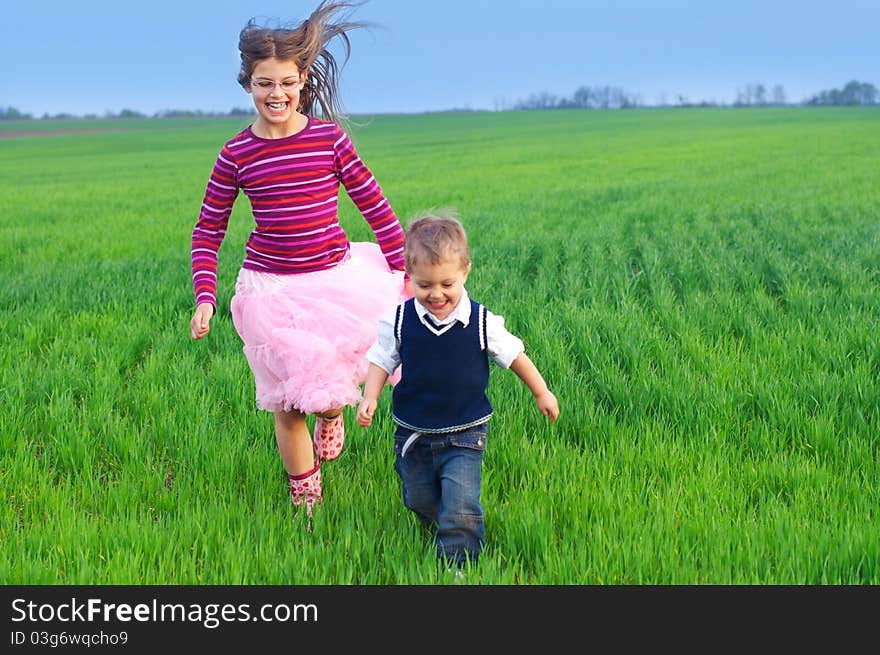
277 106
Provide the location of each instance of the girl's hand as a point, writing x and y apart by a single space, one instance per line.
199 325
547 405
365 412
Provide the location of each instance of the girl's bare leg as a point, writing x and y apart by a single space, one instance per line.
294 442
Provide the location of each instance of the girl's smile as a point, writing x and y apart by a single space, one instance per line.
278 107
275 87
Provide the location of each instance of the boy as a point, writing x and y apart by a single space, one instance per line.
443 341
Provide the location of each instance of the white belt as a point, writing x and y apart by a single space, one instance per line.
409 442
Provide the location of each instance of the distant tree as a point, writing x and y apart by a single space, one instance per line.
177 113
857 93
545 100
12 114
778 95
853 93
683 102
760 95
754 95
500 103
583 97
541 100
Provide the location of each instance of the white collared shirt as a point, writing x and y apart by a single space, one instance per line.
501 346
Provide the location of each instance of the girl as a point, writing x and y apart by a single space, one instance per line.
306 300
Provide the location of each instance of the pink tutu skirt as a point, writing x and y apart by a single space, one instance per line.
306 335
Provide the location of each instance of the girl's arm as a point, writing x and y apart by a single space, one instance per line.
529 374
210 228
376 378
366 194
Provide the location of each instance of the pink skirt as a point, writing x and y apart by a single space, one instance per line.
306 335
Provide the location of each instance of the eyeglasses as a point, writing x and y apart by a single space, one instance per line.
263 85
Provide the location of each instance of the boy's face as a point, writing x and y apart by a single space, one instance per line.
438 286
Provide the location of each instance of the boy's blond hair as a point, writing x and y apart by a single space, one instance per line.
435 236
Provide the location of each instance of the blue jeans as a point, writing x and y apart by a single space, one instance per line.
442 477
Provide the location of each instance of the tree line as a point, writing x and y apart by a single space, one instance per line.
853 93
11 113
586 97
753 95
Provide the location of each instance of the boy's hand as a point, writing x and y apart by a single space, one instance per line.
365 412
547 405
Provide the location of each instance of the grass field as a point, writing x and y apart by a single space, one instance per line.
700 288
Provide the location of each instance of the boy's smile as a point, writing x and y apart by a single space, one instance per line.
438 286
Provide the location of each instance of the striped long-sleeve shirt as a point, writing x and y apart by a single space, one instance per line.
293 187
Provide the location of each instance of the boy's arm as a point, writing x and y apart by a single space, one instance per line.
528 373
376 378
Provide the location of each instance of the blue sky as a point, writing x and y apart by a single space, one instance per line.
97 56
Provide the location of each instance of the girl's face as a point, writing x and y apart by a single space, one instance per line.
275 87
438 286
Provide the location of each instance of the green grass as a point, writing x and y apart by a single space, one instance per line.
699 288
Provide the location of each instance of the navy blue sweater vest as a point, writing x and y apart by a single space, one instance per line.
444 373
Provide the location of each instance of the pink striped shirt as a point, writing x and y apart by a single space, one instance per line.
293 187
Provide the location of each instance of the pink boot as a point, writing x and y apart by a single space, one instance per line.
329 437
305 489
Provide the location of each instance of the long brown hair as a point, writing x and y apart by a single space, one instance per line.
306 44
